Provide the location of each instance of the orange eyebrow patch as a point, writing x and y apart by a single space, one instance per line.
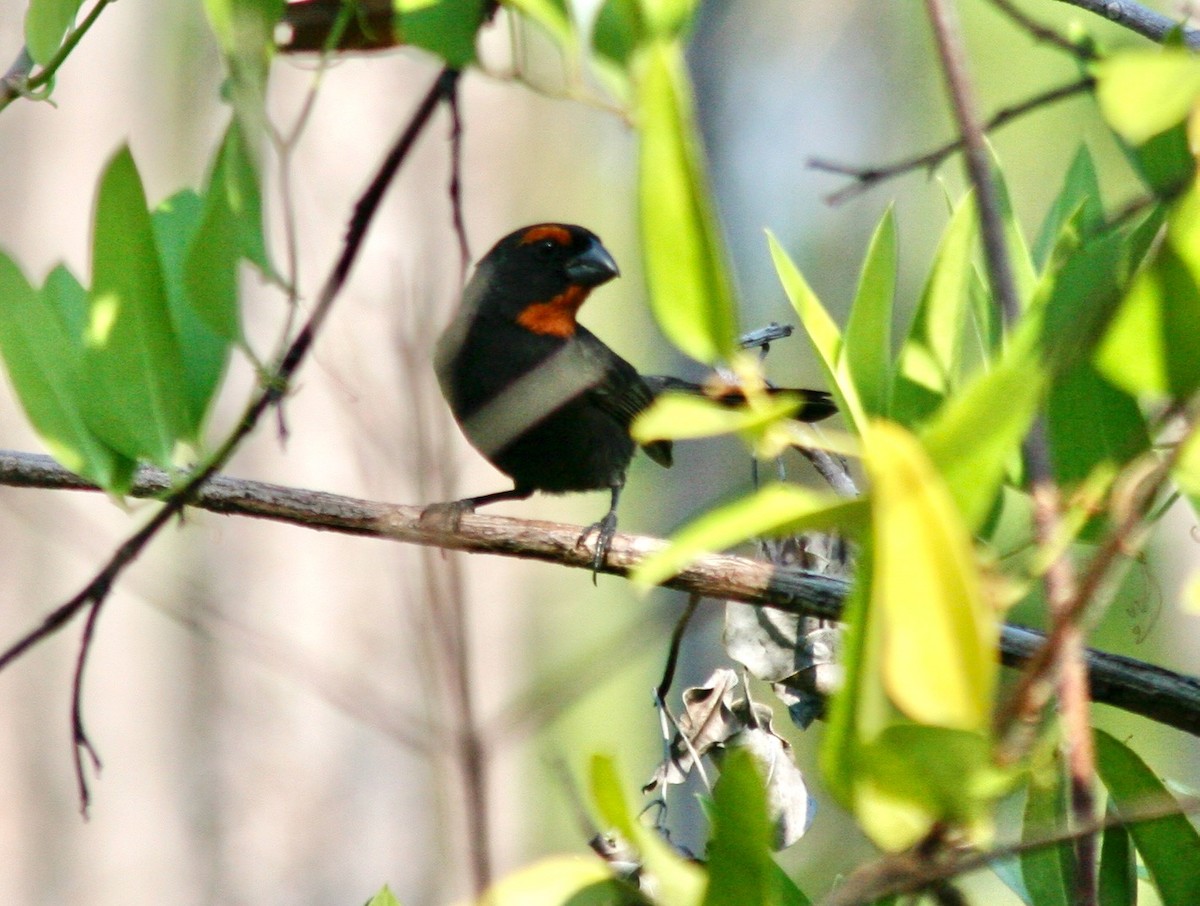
550 231
555 318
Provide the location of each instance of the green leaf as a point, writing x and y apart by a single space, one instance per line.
205 353
1118 869
939 660
552 15
691 293
444 27
868 346
619 31
46 24
563 881
932 352
1144 93
385 897
1092 422
740 867
977 433
132 361
772 510
680 416
1153 343
679 882
822 332
666 19
1048 870
44 363
1170 846
1080 193
1165 161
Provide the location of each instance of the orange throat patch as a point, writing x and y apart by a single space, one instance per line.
555 318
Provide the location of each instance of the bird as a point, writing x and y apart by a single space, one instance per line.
540 396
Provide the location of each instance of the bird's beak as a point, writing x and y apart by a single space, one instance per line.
593 266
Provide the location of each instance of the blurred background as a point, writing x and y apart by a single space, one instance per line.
279 710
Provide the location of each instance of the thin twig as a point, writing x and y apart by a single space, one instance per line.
1156 693
865 178
1139 19
913 872
1059 579
1044 33
456 206
668 677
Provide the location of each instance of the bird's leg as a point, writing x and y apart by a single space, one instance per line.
604 529
450 514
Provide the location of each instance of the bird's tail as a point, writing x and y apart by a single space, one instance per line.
815 404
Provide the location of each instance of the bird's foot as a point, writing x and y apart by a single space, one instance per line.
605 529
446 516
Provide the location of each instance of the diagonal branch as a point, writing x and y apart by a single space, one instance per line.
275 387
865 178
1153 692
1137 18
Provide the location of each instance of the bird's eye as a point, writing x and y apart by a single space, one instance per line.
545 248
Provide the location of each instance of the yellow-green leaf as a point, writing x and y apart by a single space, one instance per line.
772 510
691 292
559 880
1143 93
938 661
680 416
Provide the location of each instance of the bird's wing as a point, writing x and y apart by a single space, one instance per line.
623 394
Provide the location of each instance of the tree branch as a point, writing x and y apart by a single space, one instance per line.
1137 18
865 178
1153 692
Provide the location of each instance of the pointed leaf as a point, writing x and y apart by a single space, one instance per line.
868 345
1118 869
691 292
443 27
205 353
740 867
132 360
822 332
1170 846
932 352
939 661
773 510
1048 870
1080 192
46 24
44 363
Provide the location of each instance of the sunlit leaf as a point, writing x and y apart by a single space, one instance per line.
1143 93
1169 846
691 293
939 660
978 432
385 897
824 334
132 359
678 416
868 346
560 880
1153 344
44 362
46 24
772 510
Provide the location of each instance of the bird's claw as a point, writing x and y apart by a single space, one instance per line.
605 529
